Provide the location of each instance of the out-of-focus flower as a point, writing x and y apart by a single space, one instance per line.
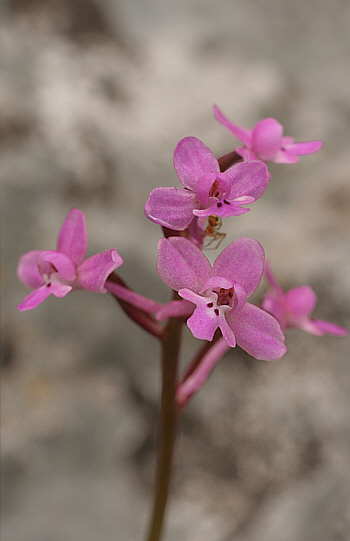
266 142
293 308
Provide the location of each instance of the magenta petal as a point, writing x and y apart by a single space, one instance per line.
274 305
202 325
267 138
300 302
171 207
243 262
271 278
72 238
94 271
258 333
248 178
227 333
34 298
181 264
61 262
301 149
325 327
284 156
58 288
242 134
192 160
233 209
217 281
203 322
28 269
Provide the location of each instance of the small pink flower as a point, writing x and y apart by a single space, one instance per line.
266 142
293 308
219 293
63 270
207 190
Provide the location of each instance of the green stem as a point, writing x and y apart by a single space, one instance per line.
168 426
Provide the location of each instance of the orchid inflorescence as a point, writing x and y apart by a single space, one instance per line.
211 299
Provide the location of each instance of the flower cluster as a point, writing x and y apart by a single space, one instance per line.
212 299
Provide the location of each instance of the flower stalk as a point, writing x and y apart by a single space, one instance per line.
168 425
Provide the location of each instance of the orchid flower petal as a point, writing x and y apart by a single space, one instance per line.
61 262
258 333
303 148
202 326
271 278
34 298
321 327
28 269
217 282
233 208
94 271
181 264
37 296
72 238
267 138
284 156
300 301
171 207
242 134
275 307
248 179
243 262
192 160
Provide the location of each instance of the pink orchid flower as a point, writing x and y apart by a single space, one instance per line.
219 293
207 190
266 142
293 308
63 270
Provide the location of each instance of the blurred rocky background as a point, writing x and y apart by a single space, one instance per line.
94 97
